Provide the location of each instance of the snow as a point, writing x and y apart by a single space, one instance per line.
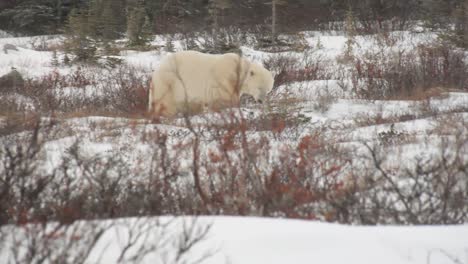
264 240
143 60
250 240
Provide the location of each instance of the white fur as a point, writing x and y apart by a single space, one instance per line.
190 80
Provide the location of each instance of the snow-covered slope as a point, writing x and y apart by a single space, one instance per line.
244 240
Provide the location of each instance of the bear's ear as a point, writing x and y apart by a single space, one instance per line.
252 73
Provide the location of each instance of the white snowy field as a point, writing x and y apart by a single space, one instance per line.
406 131
265 240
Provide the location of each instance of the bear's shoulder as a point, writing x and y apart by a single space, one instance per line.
230 56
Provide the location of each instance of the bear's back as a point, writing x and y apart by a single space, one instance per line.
196 70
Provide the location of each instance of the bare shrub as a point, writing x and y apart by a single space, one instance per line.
365 26
130 94
22 182
54 92
321 181
42 207
289 69
433 191
280 122
443 66
121 90
15 103
168 240
407 74
239 176
392 136
31 243
323 101
232 166
281 66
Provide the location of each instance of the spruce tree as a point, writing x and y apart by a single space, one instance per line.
191 41
31 17
169 44
216 9
113 19
461 25
79 41
350 31
465 32
66 59
55 61
274 18
451 18
138 26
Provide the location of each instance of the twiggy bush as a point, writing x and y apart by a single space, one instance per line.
430 192
134 240
404 74
22 181
231 167
40 208
130 92
122 90
289 69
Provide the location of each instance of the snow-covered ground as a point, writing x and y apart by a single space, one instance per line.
256 240
343 120
249 240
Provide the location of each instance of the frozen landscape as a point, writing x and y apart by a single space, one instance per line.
359 155
261 240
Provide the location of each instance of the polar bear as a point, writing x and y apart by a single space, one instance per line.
188 81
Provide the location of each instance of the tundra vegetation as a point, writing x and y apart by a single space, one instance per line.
367 123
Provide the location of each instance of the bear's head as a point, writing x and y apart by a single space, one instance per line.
258 82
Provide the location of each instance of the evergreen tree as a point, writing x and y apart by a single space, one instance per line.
216 9
465 33
460 33
169 44
66 59
59 14
79 30
138 26
191 42
54 61
36 16
438 13
31 17
457 34
451 17
350 30
112 19
274 18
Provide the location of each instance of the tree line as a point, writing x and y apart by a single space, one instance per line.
168 16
